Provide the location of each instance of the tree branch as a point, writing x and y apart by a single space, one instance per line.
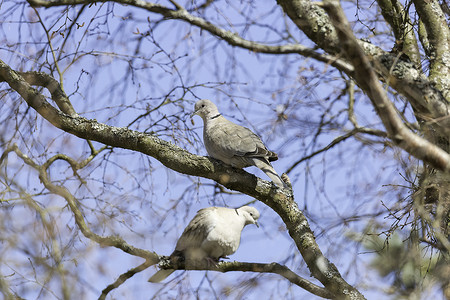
53 86
124 277
337 141
113 241
313 21
230 37
438 34
411 83
274 268
366 78
405 39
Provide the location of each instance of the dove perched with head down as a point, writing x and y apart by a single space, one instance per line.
213 233
233 144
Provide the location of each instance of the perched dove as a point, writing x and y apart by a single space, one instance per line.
233 144
213 233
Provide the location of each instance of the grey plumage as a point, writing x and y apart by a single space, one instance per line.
233 144
213 233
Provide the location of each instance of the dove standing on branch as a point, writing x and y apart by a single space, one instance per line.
233 144
213 233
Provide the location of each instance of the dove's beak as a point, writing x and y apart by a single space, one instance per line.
256 223
194 113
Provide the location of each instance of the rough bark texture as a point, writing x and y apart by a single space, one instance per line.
438 35
405 40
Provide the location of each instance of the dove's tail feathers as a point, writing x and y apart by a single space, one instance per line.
272 156
267 168
161 275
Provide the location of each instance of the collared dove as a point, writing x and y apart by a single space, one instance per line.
233 144
213 233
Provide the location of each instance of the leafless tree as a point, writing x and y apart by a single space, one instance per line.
101 166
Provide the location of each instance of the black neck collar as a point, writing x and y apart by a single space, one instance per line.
216 116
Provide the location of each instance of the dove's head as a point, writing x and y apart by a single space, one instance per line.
205 109
251 215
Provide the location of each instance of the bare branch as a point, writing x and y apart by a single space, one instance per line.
232 38
337 141
124 277
49 40
366 78
113 241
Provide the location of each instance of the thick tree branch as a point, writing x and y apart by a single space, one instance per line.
274 268
313 21
411 83
180 160
366 78
397 17
438 34
400 75
54 87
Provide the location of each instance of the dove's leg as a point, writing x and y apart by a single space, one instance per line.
267 168
211 262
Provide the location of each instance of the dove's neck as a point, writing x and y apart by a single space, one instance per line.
213 119
215 116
